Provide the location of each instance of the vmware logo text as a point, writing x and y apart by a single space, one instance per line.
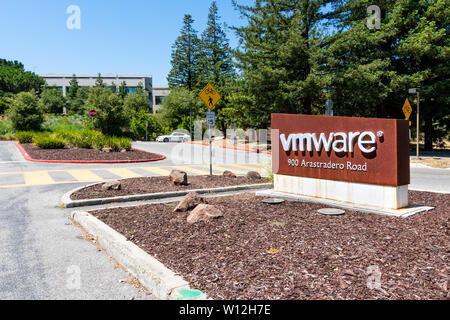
340 142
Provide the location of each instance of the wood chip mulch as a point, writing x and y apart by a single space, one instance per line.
288 251
161 184
80 154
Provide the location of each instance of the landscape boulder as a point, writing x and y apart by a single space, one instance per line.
253 175
204 212
106 149
178 178
189 202
112 185
229 174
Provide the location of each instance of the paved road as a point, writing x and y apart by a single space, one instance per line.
437 180
43 256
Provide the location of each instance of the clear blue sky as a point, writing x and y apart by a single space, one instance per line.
116 37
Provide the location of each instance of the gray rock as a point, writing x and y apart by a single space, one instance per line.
253 175
229 174
107 149
112 185
189 202
178 178
204 212
331 212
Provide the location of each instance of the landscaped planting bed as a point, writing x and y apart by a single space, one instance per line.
81 154
289 251
161 184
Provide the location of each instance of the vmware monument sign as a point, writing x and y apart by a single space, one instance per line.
363 161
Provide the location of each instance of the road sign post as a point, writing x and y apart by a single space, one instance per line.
210 96
407 110
210 122
93 114
417 91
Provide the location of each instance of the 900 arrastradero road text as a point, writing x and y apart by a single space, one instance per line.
328 165
229 309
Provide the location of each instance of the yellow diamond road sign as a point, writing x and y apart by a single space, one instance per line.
407 110
210 96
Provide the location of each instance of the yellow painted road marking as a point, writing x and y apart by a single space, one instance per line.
219 168
192 170
124 173
37 178
84 175
247 167
13 186
156 170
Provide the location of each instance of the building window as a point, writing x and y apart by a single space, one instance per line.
159 100
132 89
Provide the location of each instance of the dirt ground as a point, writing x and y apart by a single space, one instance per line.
442 163
74 154
289 251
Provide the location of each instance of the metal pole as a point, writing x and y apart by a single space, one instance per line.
190 117
418 111
146 130
210 153
92 123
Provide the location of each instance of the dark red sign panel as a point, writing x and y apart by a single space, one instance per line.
93 113
363 150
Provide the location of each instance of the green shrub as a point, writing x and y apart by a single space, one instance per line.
116 143
25 136
52 100
100 143
5 127
137 125
7 136
86 139
62 123
44 141
113 118
125 143
113 143
24 113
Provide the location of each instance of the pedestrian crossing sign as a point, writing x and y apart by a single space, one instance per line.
407 110
210 96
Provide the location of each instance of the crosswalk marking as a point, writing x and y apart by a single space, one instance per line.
248 168
124 173
192 170
37 178
156 170
84 175
236 171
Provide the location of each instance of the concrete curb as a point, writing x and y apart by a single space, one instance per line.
67 202
161 281
431 191
399 213
423 166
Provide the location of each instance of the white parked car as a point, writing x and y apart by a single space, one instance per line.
174 137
